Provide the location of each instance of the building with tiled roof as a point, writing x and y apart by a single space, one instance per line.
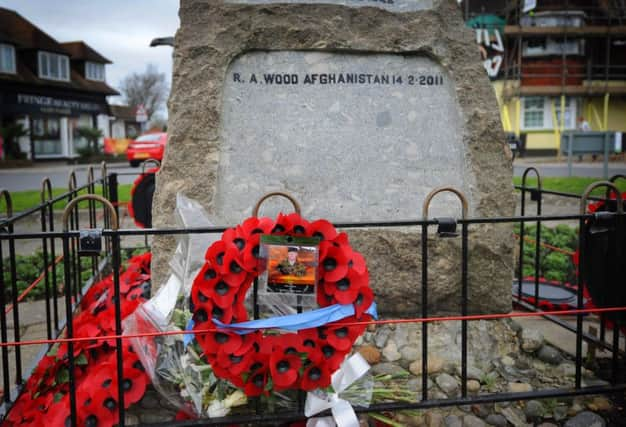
52 88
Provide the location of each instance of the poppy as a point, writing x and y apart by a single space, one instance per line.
238 361
95 292
205 309
334 265
240 313
134 381
255 384
322 229
134 385
255 225
207 276
331 356
143 260
323 299
357 262
129 279
346 290
216 252
228 342
298 225
234 271
250 256
315 376
282 226
341 336
222 294
139 292
290 344
58 413
102 410
363 301
234 236
284 369
342 240
234 363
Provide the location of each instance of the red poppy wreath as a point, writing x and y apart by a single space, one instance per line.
258 362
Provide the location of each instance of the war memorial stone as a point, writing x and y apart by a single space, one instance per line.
358 108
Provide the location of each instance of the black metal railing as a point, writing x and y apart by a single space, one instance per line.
445 226
50 274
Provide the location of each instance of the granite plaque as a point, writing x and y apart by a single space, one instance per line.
391 5
355 137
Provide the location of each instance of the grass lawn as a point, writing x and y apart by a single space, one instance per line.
23 200
574 184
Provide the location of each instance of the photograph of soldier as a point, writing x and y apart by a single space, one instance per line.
290 265
292 269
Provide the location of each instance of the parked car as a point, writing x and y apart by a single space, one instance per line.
146 146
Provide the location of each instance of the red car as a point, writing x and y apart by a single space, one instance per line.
147 146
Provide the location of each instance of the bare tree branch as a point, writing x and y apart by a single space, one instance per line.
148 88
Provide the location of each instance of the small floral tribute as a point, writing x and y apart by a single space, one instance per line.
141 198
258 362
601 205
46 396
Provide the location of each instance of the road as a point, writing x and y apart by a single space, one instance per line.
30 178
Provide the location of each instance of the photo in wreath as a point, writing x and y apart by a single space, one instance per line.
290 265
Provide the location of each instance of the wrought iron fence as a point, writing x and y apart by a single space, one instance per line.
73 289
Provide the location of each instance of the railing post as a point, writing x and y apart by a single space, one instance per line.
3 317
67 214
113 196
464 283
46 194
538 196
14 291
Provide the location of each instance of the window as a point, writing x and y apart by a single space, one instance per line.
533 112
94 71
550 46
7 58
537 112
54 67
570 112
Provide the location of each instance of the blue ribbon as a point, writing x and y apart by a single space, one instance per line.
291 322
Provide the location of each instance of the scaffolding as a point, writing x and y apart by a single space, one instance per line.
560 49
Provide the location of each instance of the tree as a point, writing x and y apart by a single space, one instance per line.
148 88
92 135
11 134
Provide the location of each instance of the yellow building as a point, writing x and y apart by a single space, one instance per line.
555 56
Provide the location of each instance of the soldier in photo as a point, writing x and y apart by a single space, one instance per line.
290 265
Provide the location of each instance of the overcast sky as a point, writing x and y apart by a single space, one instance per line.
120 30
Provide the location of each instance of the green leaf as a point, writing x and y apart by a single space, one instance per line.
53 351
81 360
58 397
63 376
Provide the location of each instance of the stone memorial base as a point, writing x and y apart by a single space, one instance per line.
358 108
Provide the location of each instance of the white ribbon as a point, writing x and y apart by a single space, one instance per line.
343 414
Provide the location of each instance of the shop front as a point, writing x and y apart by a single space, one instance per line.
52 119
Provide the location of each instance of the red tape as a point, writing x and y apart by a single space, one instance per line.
371 322
35 283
